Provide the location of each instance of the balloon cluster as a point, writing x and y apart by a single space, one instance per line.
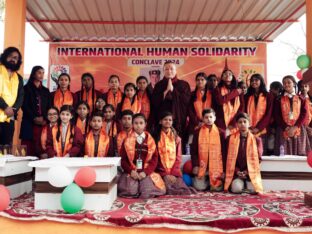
303 62
72 197
4 197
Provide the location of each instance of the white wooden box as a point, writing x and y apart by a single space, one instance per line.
15 174
98 197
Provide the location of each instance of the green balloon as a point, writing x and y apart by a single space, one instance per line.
303 61
72 198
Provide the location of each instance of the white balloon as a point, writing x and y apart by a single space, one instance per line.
60 176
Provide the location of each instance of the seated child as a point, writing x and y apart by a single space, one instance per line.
139 159
170 156
244 151
126 122
64 139
207 154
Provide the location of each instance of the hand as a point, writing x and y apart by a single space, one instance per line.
239 90
172 179
195 170
38 120
199 125
169 86
43 156
241 175
134 174
67 155
292 131
142 175
9 111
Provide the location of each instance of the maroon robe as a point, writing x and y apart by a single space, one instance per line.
77 145
175 102
218 100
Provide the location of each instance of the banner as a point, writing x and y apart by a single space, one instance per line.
130 60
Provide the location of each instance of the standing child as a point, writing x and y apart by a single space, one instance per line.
244 151
64 139
129 100
87 93
207 152
259 106
114 94
139 159
144 94
126 122
63 95
97 143
169 148
290 115
52 116
82 119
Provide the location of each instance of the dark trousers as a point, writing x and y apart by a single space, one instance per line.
6 133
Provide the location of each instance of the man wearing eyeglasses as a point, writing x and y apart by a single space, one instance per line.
11 92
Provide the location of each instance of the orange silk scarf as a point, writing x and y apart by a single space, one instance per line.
82 125
285 107
112 130
145 104
252 156
210 153
114 99
199 105
58 144
102 147
135 107
256 113
120 139
167 150
228 109
61 98
89 98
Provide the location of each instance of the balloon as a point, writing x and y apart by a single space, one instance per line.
299 74
4 197
303 61
309 158
59 176
72 198
187 179
187 167
85 177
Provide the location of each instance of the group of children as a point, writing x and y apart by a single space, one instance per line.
227 129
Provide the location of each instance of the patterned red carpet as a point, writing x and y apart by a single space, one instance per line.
205 211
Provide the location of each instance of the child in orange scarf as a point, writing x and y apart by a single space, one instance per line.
82 117
244 152
207 152
126 122
139 159
170 156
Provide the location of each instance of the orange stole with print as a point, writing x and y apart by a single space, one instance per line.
61 98
256 113
135 107
130 143
82 125
112 130
120 139
253 163
286 110
309 108
44 137
228 109
145 104
102 147
167 150
57 145
88 98
114 99
209 152
199 105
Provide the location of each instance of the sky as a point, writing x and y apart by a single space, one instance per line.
281 54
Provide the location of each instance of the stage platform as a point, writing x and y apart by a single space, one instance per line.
282 211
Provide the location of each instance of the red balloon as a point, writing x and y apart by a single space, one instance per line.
309 158
188 167
4 197
299 74
85 177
